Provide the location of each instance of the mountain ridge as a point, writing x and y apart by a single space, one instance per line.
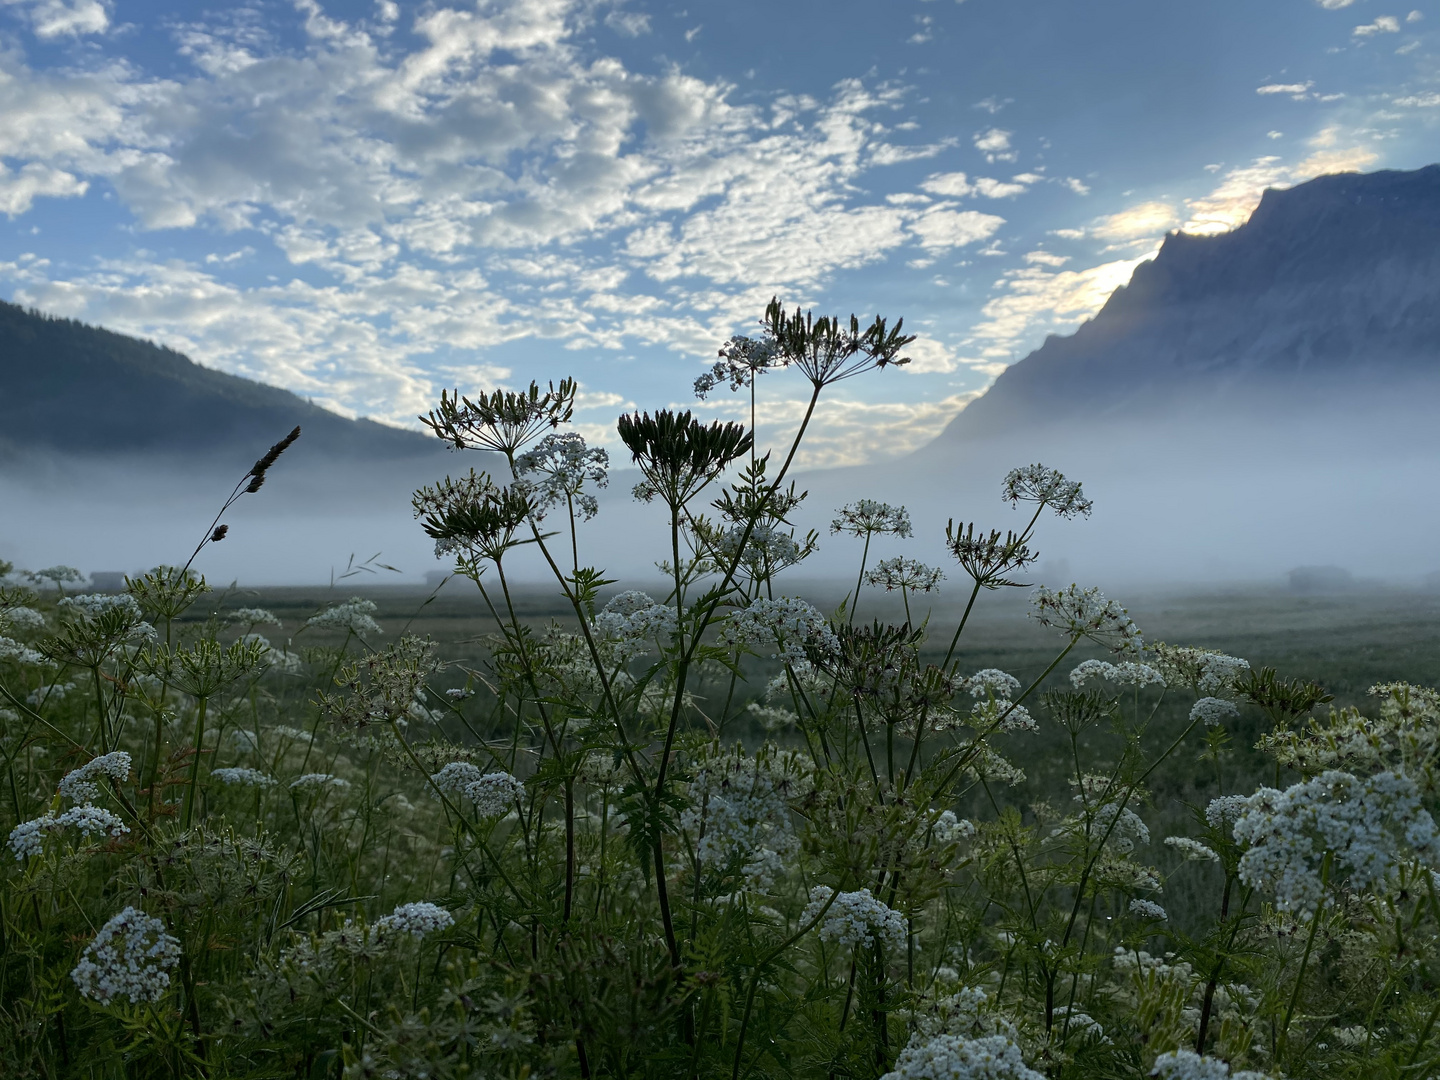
1329 283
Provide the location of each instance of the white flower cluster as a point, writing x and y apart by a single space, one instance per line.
1087 613
1365 826
455 777
991 682
954 1057
25 620
1213 711
1191 850
1188 1065
1000 714
91 605
1047 486
244 777
789 624
1079 1024
771 718
131 957
278 660
294 734
317 781
911 575
494 794
739 814
1226 810
252 616
416 920
20 653
856 918
1127 672
558 468
1207 671
632 618
1147 909
80 786
53 692
948 828
354 615
28 838
870 518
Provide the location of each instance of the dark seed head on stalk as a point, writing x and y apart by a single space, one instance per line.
271 456
221 531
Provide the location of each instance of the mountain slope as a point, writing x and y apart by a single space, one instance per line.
83 390
1331 289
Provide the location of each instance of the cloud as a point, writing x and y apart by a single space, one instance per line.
1415 16
995 145
628 23
51 19
953 184
928 356
1230 204
940 228
1284 88
1427 100
18 190
1385 24
997 189
1046 258
1334 5
1145 221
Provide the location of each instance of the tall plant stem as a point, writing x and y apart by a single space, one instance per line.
189 809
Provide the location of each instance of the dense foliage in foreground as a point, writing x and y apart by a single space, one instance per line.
713 834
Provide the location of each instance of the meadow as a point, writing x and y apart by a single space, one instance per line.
937 823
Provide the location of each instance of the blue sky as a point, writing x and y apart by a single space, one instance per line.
367 202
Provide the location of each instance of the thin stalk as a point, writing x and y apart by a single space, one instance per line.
189 810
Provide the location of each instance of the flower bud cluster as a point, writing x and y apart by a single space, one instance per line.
856 918
80 785
130 958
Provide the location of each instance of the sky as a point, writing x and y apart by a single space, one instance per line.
368 202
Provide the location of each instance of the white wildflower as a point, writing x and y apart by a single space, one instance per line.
1086 613
293 734
20 653
1147 909
789 624
908 575
454 778
1213 711
459 693
991 682
867 517
1047 486
1188 1065
997 713
1192 850
739 813
252 617
22 619
954 1057
771 719
93 821
1364 826
131 957
354 616
416 919
28 838
495 794
1127 672
632 618
242 776
1226 810
1079 1024
92 605
948 828
317 781
46 694
80 786
856 918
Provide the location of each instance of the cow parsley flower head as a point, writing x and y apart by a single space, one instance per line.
1191 850
1127 673
353 616
81 785
1226 810
739 814
948 828
999 714
239 776
1048 487
416 920
632 618
454 778
1188 1065
954 1057
317 781
131 957
1208 672
856 918
252 617
870 518
741 360
21 619
991 682
788 624
28 838
92 605
1213 711
20 653
909 575
558 469
1365 826
495 794
1147 909
1087 613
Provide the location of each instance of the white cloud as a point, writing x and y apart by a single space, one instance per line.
1143 222
1385 24
1334 5
928 356
63 18
995 145
1426 100
1046 258
629 23
997 189
1415 16
1284 88
941 228
1274 134
953 184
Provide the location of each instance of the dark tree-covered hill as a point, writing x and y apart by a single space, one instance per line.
78 389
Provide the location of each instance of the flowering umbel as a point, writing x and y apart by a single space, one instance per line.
503 420
678 454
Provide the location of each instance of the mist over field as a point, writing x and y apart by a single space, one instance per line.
1196 500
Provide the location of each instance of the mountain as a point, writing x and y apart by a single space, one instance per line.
82 390
1331 291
